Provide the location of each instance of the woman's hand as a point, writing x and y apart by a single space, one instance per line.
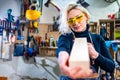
92 52
72 72
78 72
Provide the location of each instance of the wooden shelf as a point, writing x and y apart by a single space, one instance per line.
117 24
47 51
48 47
94 27
109 25
106 20
112 28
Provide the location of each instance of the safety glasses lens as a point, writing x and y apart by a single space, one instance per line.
78 19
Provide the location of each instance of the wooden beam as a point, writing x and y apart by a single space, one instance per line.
79 54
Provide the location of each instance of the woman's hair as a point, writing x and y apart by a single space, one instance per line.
64 27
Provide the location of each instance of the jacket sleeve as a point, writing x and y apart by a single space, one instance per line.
105 60
63 44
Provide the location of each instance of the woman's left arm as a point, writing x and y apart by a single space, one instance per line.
105 60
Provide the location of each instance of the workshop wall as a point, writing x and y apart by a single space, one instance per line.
99 9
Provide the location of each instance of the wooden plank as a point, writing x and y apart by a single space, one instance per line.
79 54
3 78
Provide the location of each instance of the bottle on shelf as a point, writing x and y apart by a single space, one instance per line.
52 44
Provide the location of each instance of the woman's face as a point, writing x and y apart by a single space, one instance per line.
77 20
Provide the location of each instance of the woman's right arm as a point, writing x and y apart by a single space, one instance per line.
63 62
63 58
63 53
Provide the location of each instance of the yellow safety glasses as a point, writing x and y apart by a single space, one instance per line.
78 19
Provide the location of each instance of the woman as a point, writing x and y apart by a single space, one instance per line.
74 25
